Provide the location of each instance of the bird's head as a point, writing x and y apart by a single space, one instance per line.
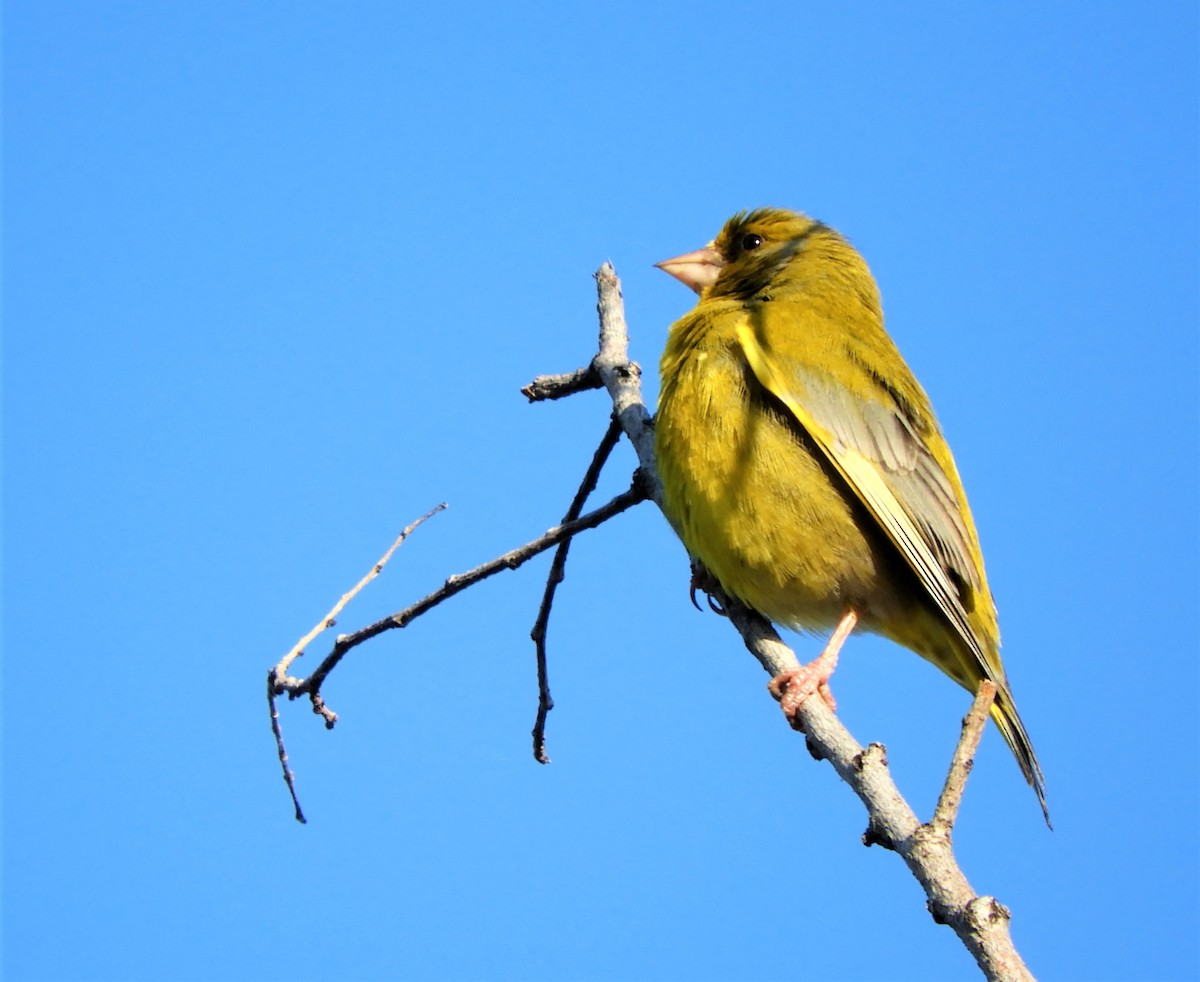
748 254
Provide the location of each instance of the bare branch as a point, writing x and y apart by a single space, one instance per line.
555 577
277 729
976 719
623 378
330 619
453 585
980 922
557 386
277 678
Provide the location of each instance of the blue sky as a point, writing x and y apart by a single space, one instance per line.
273 276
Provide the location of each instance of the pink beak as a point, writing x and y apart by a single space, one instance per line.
698 270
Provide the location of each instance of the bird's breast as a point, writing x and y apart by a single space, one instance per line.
750 494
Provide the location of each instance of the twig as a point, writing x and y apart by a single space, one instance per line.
976 719
623 378
555 577
546 387
277 677
330 619
454 584
289 778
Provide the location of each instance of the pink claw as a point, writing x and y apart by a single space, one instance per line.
793 687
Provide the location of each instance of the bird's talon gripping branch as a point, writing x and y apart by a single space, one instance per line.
704 582
792 688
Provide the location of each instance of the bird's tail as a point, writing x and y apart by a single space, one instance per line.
1004 712
969 665
969 659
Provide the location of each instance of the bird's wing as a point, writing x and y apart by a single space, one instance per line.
884 461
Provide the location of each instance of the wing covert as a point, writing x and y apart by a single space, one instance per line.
879 452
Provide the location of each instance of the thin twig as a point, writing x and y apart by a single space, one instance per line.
622 377
330 619
555 577
964 756
454 584
277 677
289 778
546 387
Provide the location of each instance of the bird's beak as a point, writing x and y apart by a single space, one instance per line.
698 269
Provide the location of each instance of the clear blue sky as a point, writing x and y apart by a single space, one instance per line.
274 273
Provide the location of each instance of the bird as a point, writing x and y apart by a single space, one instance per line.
804 469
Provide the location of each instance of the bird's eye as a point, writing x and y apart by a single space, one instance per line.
751 240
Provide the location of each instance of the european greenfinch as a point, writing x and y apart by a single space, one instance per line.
803 467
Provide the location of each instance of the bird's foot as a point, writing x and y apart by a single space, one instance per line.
704 582
793 687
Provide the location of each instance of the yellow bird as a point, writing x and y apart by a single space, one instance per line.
803 467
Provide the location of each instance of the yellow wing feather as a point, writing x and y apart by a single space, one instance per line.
864 478
868 480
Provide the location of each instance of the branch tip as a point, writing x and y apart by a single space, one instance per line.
557 574
548 387
946 811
